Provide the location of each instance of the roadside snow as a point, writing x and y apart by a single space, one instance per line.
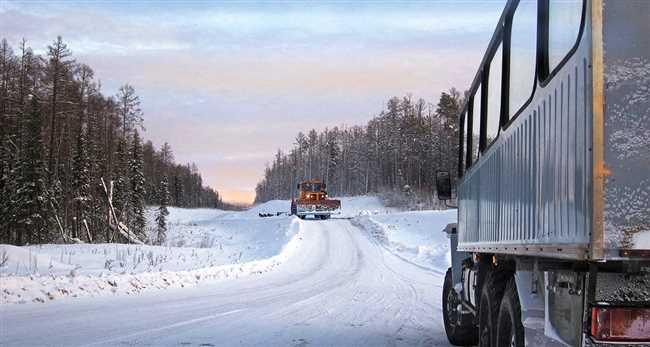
37 288
363 205
272 206
201 244
206 244
230 236
415 236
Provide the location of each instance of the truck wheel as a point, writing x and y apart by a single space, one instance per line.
460 331
510 331
491 293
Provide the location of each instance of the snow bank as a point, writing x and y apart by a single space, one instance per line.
201 244
232 233
272 206
42 288
415 236
363 205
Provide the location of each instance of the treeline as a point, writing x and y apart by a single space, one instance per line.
185 185
398 150
66 150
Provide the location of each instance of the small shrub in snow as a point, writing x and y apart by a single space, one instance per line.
108 264
207 241
4 258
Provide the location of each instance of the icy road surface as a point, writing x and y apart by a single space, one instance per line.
339 288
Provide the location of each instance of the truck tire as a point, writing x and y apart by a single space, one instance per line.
460 330
510 331
491 294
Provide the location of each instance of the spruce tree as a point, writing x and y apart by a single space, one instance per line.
162 213
121 181
81 185
32 197
10 177
178 191
137 185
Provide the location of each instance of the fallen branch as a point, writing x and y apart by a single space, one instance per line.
58 222
117 226
90 238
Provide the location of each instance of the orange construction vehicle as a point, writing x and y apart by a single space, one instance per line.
312 201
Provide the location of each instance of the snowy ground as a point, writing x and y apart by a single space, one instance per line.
372 277
415 236
202 244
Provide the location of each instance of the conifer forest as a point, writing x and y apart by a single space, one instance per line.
398 150
74 166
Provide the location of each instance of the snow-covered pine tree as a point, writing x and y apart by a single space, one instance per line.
162 212
178 190
121 181
10 181
57 70
31 200
97 211
137 191
81 186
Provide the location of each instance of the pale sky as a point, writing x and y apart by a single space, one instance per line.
228 83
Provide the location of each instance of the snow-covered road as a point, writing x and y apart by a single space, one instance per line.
339 288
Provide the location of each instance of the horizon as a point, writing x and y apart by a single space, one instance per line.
244 78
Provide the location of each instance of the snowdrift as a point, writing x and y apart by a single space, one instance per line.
202 244
414 236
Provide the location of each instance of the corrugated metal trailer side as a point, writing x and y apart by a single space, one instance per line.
570 176
552 245
531 193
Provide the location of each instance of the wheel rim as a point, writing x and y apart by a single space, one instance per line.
452 309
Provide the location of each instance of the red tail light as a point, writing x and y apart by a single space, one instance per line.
625 324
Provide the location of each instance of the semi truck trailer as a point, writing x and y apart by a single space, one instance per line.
552 244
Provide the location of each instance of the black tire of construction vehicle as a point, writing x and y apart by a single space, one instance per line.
510 331
460 332
491 294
